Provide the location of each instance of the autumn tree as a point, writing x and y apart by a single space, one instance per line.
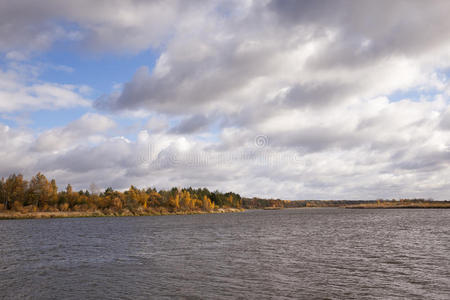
94 189
186 200
53 197
39 191
154 198
3 195
174 201
136 198
206 203
14 191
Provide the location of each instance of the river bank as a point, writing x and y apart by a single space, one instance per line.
8 215
438 205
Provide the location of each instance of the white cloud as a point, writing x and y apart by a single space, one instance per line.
85 130
17 94
352 98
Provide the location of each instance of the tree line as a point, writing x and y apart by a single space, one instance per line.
40 194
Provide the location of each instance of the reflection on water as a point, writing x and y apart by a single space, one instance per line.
285 254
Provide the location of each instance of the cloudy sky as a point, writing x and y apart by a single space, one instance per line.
293 99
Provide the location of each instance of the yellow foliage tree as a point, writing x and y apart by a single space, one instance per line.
207 205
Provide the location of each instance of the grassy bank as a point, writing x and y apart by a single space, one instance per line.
8 215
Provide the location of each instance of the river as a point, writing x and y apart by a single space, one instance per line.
282 254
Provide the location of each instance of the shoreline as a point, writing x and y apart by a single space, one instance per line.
14 215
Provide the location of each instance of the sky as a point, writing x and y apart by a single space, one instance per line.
290 99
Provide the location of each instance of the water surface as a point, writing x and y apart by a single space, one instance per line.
285 254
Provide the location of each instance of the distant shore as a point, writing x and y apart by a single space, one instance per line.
397 207
11 215
427 205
